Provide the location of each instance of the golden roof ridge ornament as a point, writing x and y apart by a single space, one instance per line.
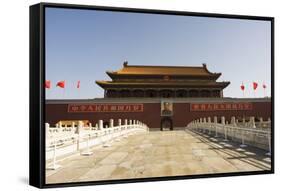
125 63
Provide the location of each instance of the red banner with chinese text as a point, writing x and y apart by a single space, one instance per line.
220 106
72 108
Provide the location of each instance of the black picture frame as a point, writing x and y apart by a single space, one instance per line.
37 93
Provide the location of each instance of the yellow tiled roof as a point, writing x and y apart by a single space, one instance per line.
164 70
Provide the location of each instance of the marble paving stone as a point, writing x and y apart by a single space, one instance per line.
158 154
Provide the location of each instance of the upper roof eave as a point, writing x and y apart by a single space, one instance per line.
146 70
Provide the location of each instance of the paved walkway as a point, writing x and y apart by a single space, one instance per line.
156 154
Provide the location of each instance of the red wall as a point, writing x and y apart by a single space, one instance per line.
151 114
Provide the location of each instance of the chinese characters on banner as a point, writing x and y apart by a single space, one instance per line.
220 106
72 108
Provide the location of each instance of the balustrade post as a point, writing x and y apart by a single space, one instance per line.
261 122
233 121
223 120
130 123
200 124
243 139
204 124
215 123
243 121
111 123
100 125
54 165
125 127
252 122
209 125
269 122
224 127
47 129
78 132
97 126
269 143
59 127
126 123
87 151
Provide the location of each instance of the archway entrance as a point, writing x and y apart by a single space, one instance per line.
166 124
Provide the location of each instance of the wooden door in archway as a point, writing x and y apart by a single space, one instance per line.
166 124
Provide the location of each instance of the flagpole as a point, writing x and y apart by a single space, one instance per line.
243 89
64 90
77 86
264 89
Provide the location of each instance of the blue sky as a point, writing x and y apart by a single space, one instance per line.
83 44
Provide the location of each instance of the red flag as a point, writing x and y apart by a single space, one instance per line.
264 86
255 85
78 84
242 87
48 84
61 84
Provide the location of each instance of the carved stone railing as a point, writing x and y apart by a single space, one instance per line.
247 133
62 141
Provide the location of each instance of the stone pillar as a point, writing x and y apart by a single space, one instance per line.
215 122
97 126
119 122
100 124
233 121
126 123
47 128
111 123
90 125
79 127
223 120
252 122
204 120
60 124
73 125
261 120
209 120
78 131
243 121
215 119
268 124
201 120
